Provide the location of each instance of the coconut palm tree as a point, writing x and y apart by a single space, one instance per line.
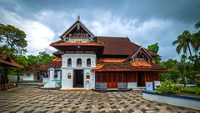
183 42
196 41
196 38
197 25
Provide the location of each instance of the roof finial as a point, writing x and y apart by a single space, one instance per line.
78 17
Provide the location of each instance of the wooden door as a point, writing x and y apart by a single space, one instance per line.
141 79
111 85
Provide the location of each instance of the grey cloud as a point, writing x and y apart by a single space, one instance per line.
182 15
178 10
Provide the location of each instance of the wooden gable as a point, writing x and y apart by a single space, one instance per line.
141 55
78 33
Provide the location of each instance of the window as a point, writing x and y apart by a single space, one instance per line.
88 62
28 74
69 62
79 62
56 74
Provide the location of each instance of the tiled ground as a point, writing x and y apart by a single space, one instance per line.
26 99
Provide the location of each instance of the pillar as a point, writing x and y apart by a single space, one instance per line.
59 75
51 74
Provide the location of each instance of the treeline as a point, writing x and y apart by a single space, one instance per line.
187 69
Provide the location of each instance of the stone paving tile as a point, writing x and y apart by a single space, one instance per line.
26 99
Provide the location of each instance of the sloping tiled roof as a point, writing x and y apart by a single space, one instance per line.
112 45
119 46
63 43
9 62
104 60
153 67
55 63
140 64
116 45
58 53
31 68
127 66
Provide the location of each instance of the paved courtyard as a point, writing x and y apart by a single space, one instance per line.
26 99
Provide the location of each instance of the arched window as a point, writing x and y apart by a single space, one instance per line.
88 62
79 62
69 62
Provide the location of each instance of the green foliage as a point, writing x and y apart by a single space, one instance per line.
44 57
197 25
188 70
168 88
196 41
191 90
21 59
183 42
13 39
172 74
153 47
32 60
169 64
6 51
172 88
41 58
178 72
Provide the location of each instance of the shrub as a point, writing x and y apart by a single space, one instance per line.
191 90
168 88
172 88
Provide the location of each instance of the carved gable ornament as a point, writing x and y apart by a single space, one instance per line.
78 33
141 55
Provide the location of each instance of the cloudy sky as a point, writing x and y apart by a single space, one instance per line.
143 21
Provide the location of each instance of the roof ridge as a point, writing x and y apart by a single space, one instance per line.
112 37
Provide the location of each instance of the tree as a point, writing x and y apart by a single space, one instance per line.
197 25
21 59
6 51
183 42
172 74
196 38
32 60
154 48
44 57
13 38
181 67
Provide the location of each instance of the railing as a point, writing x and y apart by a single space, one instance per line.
103 85
122 85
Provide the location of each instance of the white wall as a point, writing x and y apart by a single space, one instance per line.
91 83
13 78
132 85
28 78
74 58
68 83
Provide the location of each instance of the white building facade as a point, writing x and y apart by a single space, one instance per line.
81 64
96 62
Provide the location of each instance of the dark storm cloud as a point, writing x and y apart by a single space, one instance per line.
179 10
144 21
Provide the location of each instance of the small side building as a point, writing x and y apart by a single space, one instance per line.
31 74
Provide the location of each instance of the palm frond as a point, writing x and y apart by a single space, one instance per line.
197 25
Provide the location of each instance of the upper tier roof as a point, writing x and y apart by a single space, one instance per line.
112 45
78 35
